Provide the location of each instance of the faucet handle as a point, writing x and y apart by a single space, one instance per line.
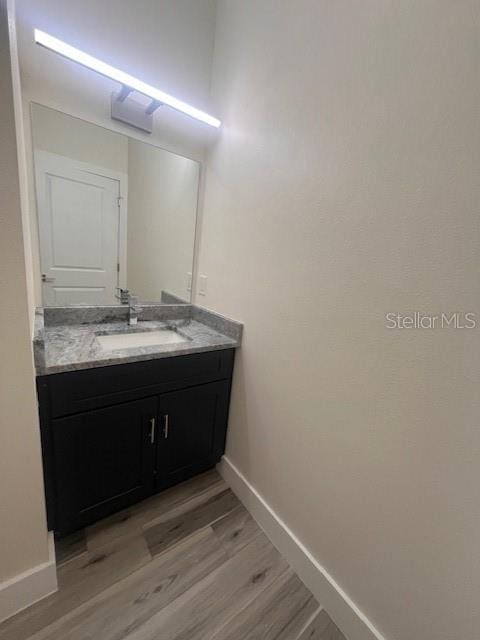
124 295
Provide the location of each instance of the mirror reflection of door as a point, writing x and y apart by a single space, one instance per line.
78 212
112 210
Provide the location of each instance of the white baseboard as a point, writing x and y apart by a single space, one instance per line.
348 617
27 588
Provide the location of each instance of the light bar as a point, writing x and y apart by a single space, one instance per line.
67 51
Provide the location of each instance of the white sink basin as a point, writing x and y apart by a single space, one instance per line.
139 339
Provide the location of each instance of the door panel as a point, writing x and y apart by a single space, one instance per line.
65 296
104 461
79 231
192 431
76 212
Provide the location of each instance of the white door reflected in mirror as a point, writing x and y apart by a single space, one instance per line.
78 230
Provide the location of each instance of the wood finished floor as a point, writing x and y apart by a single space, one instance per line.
187 564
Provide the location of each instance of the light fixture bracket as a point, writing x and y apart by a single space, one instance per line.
129 83
124 93
125 109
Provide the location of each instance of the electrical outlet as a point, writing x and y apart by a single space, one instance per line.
189 281
202 287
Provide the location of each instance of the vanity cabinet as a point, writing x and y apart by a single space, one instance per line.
192 429
112 436
103 461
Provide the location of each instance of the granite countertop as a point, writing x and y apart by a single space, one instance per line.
65 341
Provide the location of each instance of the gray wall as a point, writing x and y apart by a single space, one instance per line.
162 202
346 185
23 531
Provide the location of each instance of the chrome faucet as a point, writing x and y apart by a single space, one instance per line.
126 297
132 310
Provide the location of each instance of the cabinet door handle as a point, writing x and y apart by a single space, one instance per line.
152 430
165 426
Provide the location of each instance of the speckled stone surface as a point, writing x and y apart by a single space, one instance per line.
39 340
56 316
164 312
74 346
170 298
218 322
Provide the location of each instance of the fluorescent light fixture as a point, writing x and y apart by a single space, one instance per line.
67 51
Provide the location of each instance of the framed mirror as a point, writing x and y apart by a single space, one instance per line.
114 213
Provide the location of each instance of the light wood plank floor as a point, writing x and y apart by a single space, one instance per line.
187 564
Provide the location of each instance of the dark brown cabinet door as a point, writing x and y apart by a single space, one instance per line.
192 429
104 461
